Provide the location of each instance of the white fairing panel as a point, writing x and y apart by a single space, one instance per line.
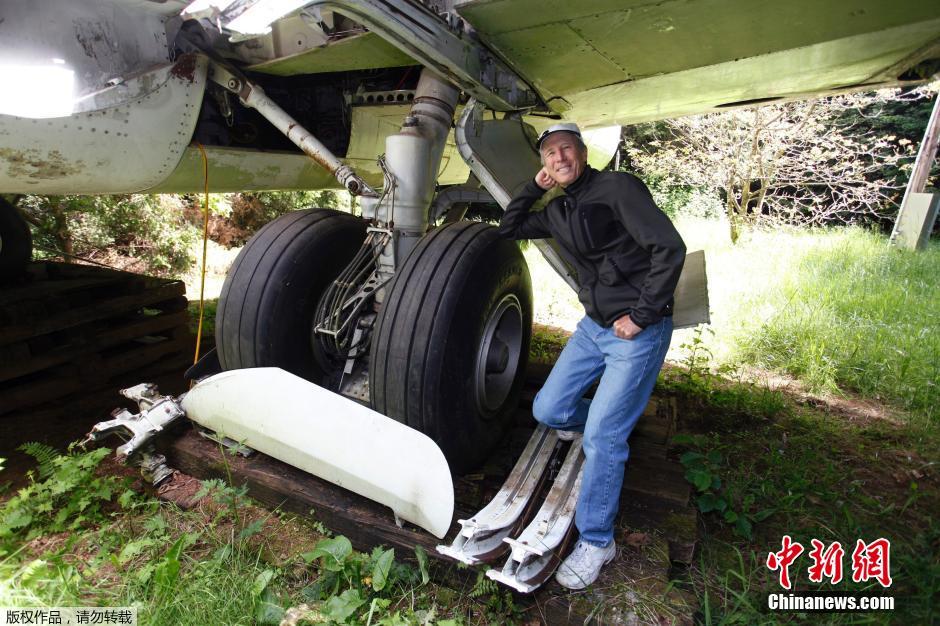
98 41
131 139
295 421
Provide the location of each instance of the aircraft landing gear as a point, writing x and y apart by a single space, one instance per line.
432 329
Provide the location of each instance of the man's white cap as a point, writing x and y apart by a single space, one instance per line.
567 127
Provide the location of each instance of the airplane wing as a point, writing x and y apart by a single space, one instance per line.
622 62
635 61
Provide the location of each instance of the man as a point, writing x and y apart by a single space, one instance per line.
628 257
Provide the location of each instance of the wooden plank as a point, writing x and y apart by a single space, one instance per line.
50 386
140 354
47 297
536 372
92 339
646 511
15 352
368 524
96 369
657 424
89 406
56 270
48 277
37 292
278 485
643 505
638 481
365 523
92 312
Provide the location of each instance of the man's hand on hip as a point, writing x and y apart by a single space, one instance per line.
544 180
625 328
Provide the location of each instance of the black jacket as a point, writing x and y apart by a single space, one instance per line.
627 254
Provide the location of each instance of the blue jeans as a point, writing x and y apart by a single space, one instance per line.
628 370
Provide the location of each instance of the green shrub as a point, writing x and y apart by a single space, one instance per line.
252 210
681 200
149 230
68 496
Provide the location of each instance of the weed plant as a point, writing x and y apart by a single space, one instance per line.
79 537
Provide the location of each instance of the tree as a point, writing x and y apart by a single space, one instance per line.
252 210
135 231
809 162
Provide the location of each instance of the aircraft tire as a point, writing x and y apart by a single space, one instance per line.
451 342
265 312
16 242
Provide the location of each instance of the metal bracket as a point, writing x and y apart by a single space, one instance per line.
156 413
502 182
222 440
471 191
537 551
482 537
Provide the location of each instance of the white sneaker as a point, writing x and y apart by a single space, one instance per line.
583 565
566 435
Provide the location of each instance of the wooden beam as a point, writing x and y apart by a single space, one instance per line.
918 214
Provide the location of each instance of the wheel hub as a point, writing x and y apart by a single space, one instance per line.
499 355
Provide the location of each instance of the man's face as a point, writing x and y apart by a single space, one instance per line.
563 158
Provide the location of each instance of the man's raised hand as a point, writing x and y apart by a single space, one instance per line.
544 180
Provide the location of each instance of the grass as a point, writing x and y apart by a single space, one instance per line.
224 561
837 309
208 321
789 468
547 343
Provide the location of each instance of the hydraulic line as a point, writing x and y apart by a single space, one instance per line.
346 297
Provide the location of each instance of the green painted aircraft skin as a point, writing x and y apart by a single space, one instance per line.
626 61
240 169
793 74
358 52
553 41
605 62
237 169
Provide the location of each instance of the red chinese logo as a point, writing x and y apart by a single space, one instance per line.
782 560
826 563
869 561
872 560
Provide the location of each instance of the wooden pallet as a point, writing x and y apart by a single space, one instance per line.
656 528
72 335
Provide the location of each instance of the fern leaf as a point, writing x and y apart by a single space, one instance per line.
44 454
